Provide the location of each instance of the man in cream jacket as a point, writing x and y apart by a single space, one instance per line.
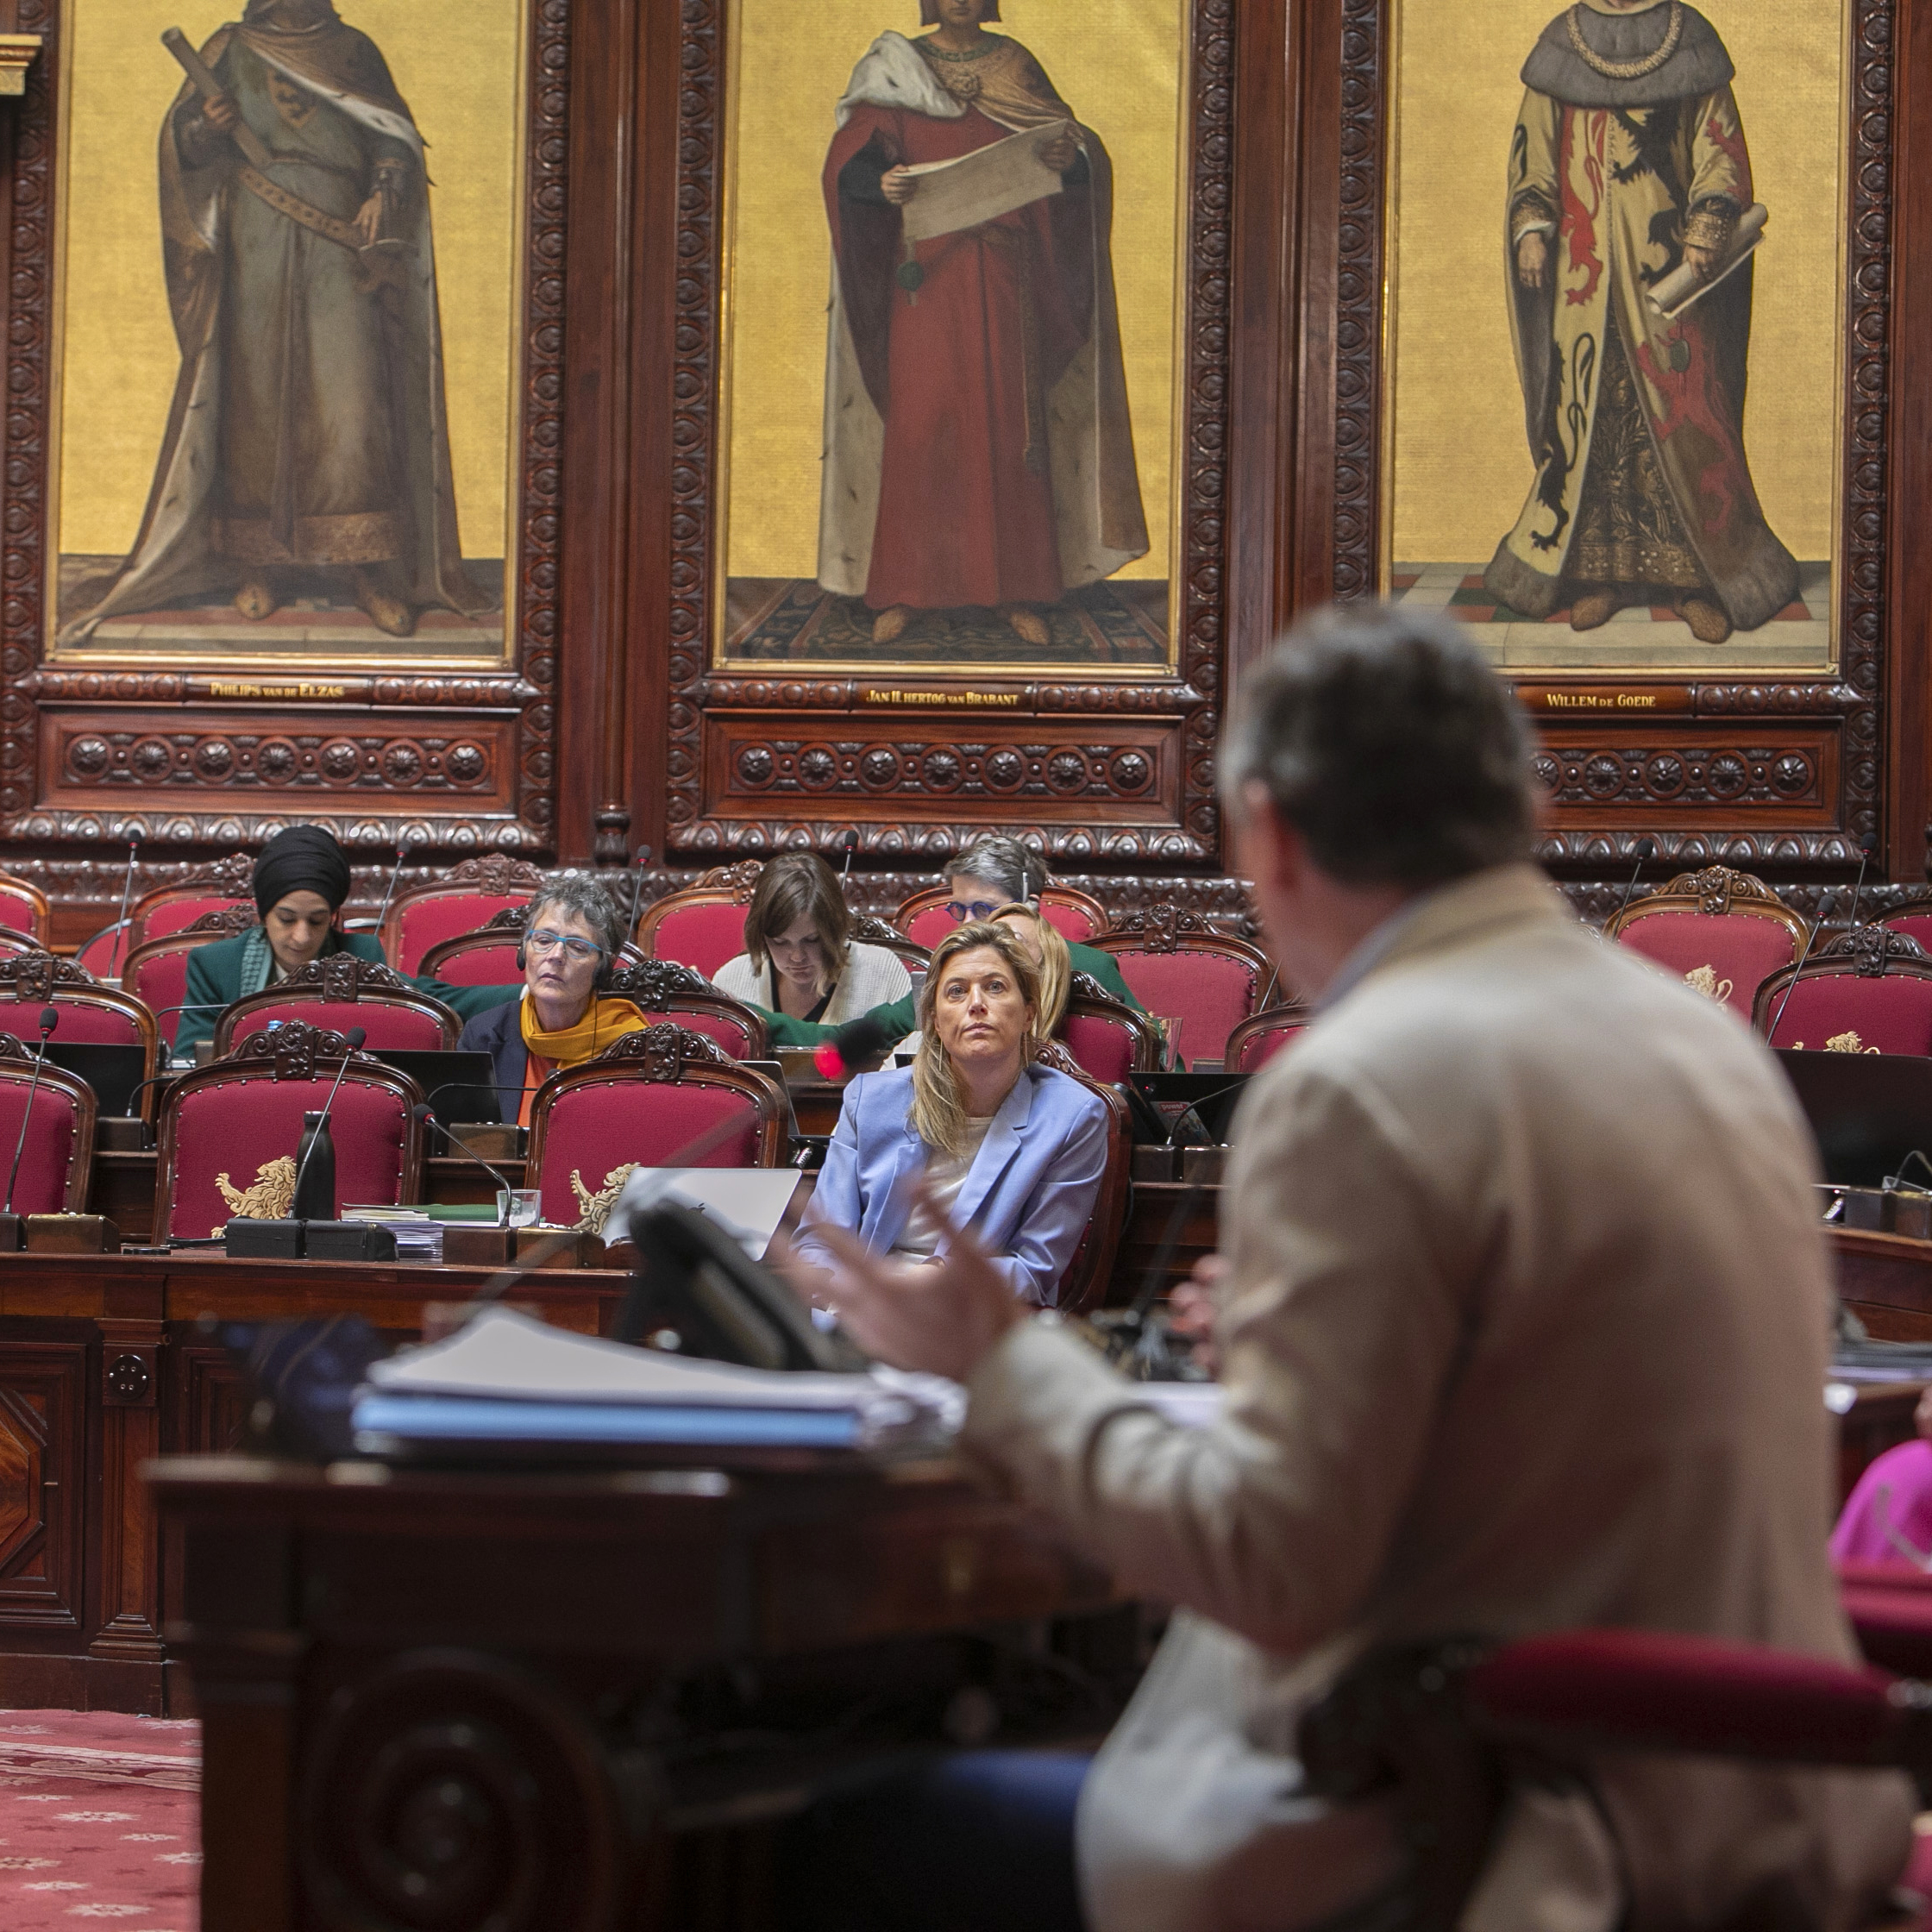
1523 1326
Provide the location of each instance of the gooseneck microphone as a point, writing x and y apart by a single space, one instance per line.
850 845
50 1018
426 1117
318 1138
127 892
1643 851
389 891
1865 850
637 894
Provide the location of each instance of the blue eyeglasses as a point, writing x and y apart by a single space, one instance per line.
544 940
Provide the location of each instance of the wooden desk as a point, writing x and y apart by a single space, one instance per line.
574 1698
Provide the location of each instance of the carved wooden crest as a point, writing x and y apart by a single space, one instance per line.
1050 1053
228 919
876 931
665 1049
496 874
1715 887
654 984
509 919
12 1047
232 877
34 975
341 976
1870 948
740 880
1162 928
292 1050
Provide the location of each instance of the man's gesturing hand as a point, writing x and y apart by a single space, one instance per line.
942 1316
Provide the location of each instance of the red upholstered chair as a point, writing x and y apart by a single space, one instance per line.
465 898
1890 1610
1076 918
103 956
24 908
1913 918
1107 1038
1260 1036
227 883
685 995
1181 968
157 972
488 956
1083 1285
229 1131
340 992
642 1103
1865 991
1724 931
90 1015
12 941
703 925
58 1153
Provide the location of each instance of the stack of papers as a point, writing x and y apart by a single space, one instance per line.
418 1237
504 1379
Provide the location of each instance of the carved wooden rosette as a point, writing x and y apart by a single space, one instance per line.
1765 771
916 759
446 759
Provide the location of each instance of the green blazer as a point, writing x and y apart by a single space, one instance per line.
902 1017
215 981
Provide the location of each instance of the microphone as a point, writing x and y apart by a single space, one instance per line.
426 1116
1644 849
1811 939
1865 850
637 894
317 1137
50 1018
389 891
851 1046
851 843
127 892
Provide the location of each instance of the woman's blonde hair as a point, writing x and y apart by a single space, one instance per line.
795 886
939 1113
1055 967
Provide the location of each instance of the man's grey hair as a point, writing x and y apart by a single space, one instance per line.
1018 875
578 892
1384 738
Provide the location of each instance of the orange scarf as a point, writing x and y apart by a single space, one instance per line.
605 1022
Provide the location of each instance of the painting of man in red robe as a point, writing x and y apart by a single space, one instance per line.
978 452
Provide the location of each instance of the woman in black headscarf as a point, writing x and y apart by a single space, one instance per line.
301 880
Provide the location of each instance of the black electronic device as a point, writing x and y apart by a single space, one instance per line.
247 1240
1211 1097
460 1087
113 1069
1868 1111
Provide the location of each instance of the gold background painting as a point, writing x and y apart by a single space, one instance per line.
1120 70
457 63
1460 465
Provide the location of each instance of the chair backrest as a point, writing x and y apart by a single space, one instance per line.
488 956
702 925
683 994
465 898
1076 916
1913 919
106 953
90 1015
57 1149
229 1131
157 972
1105 1037
1180 968
24 908
342 991
1260 1036
1725 932
643 1103
1865 991
1084 1284
227 882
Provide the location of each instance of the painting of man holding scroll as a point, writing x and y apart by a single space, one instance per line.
1629 229
978 454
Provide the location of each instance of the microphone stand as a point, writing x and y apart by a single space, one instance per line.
1643 850
319 1135
127 892
426 1115
50 1018
389 891
850 842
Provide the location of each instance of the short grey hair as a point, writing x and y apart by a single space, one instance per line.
1018 875
578 892
1384 738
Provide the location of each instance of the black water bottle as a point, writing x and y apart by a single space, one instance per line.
314 1165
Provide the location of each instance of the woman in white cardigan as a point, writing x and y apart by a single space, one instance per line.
800 958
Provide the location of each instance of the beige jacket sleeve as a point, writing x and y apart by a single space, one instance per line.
1340 1326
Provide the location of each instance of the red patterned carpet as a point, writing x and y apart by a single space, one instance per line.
99 1822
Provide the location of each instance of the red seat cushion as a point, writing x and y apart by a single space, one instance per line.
494 965
1889 1015
1073 923
20 913
1209 992
385 1027
1103 1047
1262 1045
176 915
428 922
162 982
1914 925
80 1021
48 1149
240 1126
929 927
597 1126
1736 946
702 937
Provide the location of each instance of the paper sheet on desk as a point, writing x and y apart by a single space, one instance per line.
746 1202
979 186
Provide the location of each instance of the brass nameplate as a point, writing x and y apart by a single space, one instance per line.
219 689
1650 700
943 700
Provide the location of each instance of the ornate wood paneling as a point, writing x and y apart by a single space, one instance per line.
43 1470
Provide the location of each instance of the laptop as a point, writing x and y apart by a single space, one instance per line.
114 1071
1868 1111
459 1087
1212 1097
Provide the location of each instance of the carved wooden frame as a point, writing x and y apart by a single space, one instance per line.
380 756
1060 753
1805 756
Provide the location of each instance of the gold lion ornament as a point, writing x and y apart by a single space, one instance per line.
596 1207
269 1200
1704 980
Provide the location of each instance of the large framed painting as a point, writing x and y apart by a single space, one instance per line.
1613 417
286 326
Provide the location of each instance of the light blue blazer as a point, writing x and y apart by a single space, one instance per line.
1027 1197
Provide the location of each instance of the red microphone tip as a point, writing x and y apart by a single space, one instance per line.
829 1061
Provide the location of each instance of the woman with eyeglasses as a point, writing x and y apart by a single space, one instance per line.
800 959
571 932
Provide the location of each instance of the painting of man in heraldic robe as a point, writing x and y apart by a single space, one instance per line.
307 449
1630 220
978 457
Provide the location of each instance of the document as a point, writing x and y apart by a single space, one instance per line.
746 1202
988 182
1677 290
